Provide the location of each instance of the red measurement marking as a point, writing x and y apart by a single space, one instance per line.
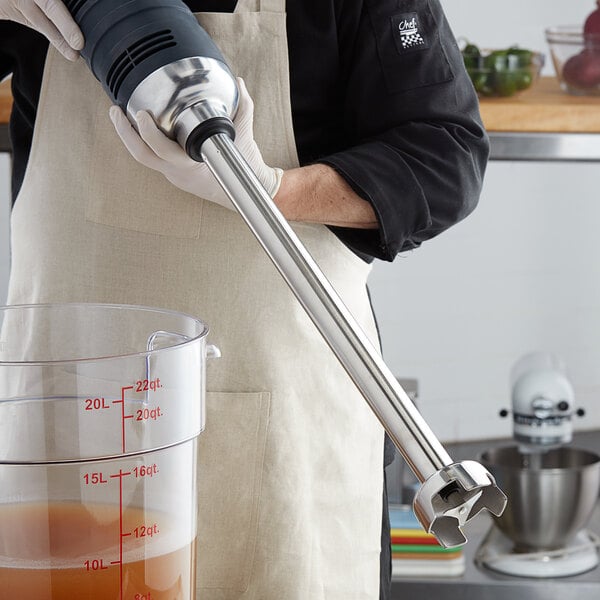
121 516
94 478
96 403
123 415
148 385
145 470
146 531
97 564
121 474
119 562
148 414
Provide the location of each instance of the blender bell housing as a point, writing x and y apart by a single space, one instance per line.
153 55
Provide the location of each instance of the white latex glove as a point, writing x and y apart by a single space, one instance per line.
51 18
153 149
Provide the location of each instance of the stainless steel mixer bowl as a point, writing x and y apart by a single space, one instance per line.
550 497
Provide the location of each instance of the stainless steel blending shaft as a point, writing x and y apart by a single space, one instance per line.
451 493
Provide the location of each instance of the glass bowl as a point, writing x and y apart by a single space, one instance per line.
503 73
576 59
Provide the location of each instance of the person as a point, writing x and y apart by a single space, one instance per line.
361 122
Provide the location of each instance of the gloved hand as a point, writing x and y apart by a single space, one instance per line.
51 18
153 149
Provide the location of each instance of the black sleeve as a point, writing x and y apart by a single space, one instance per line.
7 64
22 53
418 148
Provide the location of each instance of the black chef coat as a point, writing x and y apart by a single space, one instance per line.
394 114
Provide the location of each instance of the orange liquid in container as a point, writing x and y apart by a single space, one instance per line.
66 551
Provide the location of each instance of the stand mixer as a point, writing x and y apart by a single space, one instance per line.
552 488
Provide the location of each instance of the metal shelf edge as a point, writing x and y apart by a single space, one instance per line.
532 146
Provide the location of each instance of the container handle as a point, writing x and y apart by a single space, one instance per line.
212 351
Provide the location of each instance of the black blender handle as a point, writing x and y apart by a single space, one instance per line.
126 40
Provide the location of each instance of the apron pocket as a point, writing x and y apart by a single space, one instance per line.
230 464
124 194
155 211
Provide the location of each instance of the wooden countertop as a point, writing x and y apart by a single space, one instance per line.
5 101
542 108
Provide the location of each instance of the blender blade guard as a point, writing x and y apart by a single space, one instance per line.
453 496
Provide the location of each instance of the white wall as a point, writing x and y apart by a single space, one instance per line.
4 220
521 274
494 24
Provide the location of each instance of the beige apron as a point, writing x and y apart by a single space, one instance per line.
290 464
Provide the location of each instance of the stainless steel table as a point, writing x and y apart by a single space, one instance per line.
483 584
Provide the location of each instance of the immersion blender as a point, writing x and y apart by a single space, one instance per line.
153 55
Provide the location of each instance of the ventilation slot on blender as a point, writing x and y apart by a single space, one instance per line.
136 53
74 6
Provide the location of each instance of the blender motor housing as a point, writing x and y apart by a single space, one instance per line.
154 55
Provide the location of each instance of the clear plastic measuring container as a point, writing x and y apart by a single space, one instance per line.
100 410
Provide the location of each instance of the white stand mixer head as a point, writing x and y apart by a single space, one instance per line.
542 403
